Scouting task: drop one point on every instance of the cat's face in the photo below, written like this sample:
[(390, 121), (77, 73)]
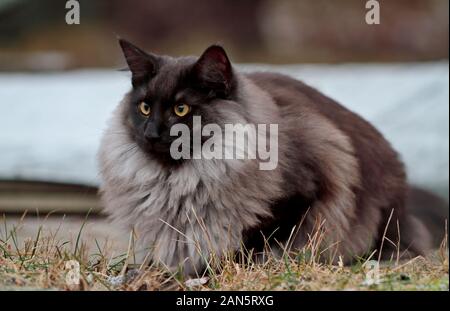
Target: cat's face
[(167, 91)]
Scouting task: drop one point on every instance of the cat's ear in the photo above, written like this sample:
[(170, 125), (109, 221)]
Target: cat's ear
[(141, 64), (213, 70)]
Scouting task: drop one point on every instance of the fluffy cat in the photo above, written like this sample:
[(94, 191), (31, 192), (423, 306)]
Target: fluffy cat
[(335, 172)]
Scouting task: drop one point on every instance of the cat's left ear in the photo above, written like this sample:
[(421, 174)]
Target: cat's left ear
[(213, 70), (142, 65)]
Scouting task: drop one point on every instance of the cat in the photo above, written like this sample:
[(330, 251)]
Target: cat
[(336, 173)]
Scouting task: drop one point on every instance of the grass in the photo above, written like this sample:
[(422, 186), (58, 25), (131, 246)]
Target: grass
[(40, 263)]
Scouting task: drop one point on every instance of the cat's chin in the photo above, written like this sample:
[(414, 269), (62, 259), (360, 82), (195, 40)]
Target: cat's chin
[(166, 160), (159, 148), (162, 155)]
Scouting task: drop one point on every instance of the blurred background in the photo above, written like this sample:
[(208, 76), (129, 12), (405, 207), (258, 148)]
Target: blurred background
[(34, 35), (59, 82)]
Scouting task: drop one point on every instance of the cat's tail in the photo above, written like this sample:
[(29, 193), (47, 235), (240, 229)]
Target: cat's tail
[(424, 223)]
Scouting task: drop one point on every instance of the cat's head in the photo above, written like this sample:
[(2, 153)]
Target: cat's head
[(168, 91)]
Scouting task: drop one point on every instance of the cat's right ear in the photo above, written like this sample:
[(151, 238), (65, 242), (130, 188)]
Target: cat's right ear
[(213, 70), (141, 64)]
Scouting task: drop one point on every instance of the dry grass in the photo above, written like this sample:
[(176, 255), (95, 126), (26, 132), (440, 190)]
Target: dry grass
[(40, 263)]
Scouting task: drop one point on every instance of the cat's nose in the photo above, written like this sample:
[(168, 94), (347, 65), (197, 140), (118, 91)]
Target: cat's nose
[(152, 132)]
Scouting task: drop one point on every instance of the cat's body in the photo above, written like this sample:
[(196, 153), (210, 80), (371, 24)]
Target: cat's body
[(336, 173)]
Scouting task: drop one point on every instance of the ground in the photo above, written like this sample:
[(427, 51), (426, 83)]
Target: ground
[(34, 254)]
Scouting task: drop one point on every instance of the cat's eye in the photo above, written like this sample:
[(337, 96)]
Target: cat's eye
[(181, 109), (144, 108)]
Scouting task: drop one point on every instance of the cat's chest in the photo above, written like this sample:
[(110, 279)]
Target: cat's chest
[(175, 195), (215, 194)]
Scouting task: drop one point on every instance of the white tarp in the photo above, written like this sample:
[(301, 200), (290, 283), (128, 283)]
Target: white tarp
[(50, 124)]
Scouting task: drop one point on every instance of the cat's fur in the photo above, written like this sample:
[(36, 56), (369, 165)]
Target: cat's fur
[(336, 172)]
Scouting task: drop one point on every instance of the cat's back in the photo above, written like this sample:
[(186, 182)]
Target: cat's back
[(293, 96), (377, 160), (297, 99)]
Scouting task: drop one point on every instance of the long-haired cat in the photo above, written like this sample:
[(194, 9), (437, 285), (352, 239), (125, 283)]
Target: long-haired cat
[(336, 173)]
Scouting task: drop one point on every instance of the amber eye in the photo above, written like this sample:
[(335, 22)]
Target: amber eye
[(181, 109), (144, 108)]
